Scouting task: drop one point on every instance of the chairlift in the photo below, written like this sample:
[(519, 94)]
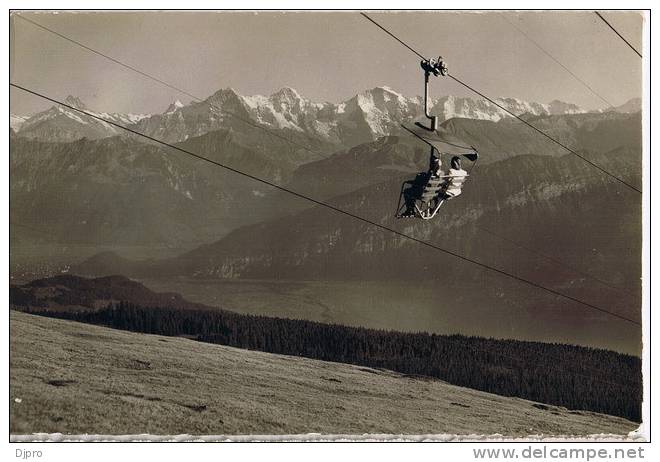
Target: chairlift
[(423, 196)]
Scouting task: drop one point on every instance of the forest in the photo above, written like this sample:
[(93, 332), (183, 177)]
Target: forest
[(575, 377)]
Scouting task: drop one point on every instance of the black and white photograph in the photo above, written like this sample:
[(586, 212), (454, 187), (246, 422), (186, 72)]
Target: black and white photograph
[(329, 225)]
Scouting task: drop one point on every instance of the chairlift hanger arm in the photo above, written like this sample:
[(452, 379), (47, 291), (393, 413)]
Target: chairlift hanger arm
[(435, 67)]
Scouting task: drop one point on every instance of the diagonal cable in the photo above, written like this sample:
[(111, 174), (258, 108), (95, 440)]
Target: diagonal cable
[(617, 33), (394, 36)]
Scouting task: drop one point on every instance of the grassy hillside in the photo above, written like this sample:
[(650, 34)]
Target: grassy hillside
[(76, 378), (576, 377)]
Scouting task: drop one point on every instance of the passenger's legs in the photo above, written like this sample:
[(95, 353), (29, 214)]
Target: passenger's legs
[(409, 198)]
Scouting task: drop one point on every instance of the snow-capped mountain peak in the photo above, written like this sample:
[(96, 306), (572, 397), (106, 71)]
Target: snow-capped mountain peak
[(448, 107), (223, 95), (288, 93), (74, 101), (382, 108), (174, 106), (287, 99), (61, 123)]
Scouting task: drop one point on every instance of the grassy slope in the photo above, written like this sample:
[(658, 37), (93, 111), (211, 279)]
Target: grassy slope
[(76, 378)]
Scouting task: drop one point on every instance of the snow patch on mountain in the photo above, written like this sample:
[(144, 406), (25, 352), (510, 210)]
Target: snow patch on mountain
[(448, 107), (16, 121), (174, 106), (283, 109), (62, 123), (126, 119), (382, 109)]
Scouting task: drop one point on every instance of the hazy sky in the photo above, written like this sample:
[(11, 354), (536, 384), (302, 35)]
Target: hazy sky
[(325, 56)]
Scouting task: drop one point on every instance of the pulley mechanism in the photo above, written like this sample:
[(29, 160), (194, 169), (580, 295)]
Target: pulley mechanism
[(435, 66)]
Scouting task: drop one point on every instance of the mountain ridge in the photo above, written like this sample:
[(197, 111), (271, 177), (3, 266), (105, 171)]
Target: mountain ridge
[(364, 117)]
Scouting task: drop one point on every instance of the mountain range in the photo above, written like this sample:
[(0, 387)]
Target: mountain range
[(62, 124), (365, 117), (120, 191), (541, 195)]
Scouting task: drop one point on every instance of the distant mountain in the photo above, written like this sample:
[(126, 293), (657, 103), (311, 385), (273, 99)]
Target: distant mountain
[(365, 117), (60, 123), (122, 192), (525, 195), (543, 196), (630, 106), (173, 107), (596, 132), (556, 107), (117, 191), (390, 157), (449, 107), (360, 119)]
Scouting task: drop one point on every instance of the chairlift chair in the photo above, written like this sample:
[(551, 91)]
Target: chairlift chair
[(432, 195)]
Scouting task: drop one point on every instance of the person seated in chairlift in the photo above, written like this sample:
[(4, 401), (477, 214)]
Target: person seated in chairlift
[(456, 177), (414, 190), (454, 180)]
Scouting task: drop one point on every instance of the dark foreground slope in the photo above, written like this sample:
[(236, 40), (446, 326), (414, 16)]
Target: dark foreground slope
[(74, 378)]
